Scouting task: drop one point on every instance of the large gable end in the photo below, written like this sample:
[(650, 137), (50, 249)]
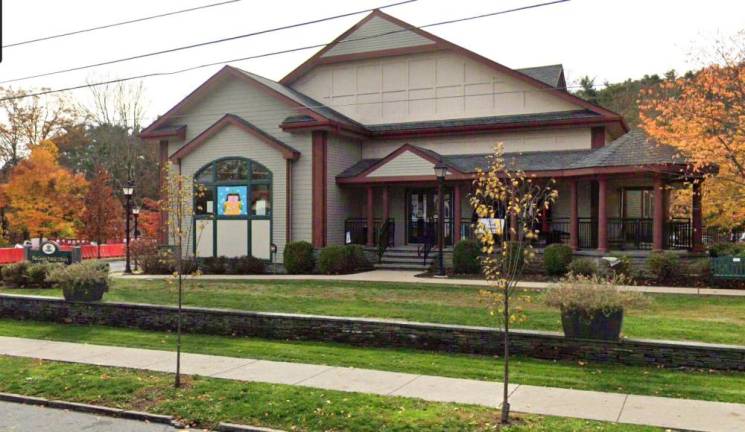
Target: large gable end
[(376, 34)]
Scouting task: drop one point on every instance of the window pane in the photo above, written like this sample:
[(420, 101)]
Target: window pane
[(232, 169), (204, 201), (261, 204), (204, 176), (259, 172)]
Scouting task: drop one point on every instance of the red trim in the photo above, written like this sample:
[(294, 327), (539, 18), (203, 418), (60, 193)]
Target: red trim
[(573, 216), (603, 214), (319, 185), (658, 224), (163, 161), (325, 125), (178, 133), (288, 198), (697, 217), (597, 137), (386, 205), (228, 120), (229, 71), (444, 44), (370, 217)]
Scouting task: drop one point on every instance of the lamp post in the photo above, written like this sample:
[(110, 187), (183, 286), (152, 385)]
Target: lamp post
[(128, 190), (440, 172), (136, 232)]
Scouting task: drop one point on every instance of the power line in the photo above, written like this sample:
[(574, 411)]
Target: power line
[(201, 44), (269, 54), (136, 20)]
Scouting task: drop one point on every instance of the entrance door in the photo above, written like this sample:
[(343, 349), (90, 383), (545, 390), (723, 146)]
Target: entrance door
[(422, 215)]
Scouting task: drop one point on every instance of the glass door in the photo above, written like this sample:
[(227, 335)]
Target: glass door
[(422, 215)]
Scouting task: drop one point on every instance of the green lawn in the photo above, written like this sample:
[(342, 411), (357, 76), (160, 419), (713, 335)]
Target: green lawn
[(706, 385), (204, 402), (714, 319)]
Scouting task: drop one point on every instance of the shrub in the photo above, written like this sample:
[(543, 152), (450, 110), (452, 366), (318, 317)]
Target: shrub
[(38, 274), (357, 257), (298, 257), (86, 281), (726, 249), (662, 265), (467, 257), (583, 267), (160, 262), (15, 275), (246, 265), (556, 259), (623, 265), (700, 268), (591, 295), (214, 265), (334, 260)]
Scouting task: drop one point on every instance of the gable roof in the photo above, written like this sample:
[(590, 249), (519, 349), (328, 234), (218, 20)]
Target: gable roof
[(232, 119), (324, 57), (303, 104), (552, 75), (630, 152)]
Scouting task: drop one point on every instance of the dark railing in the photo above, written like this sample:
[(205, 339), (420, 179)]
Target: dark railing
[(385, 237), (428, 237), (714, 235), (355, 231), (558, 232), (630, 233), (678, 234)]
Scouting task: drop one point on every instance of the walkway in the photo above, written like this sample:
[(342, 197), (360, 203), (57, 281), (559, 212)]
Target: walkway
[(19, 417), (408, 276), (612, 407)]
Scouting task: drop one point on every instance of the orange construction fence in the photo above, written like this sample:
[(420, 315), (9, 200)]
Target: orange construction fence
[(14, 255)]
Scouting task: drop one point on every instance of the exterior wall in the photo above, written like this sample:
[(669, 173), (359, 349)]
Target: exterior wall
[(342, 202), (232, 141), (406, 163), (375, 35), (424, 86), (527, 141), (266, 112)]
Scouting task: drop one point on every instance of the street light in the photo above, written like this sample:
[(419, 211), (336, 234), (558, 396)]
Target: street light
[(128, 190), (136, 214), (441, 171)]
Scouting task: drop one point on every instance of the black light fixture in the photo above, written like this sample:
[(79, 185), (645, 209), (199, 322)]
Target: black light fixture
[(441, 171), (128, 191)]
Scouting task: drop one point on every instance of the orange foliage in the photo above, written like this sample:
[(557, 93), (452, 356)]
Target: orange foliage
[(103, 217), (149, 219), (703, 115), (43, 198)]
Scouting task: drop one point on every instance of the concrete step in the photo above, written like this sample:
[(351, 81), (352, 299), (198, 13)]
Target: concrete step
[(399, 266)]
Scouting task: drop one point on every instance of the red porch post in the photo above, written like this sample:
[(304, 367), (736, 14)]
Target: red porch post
[(602, 214), (697, 240), (658, 227), (370, 218), (456, 213), (386, 205), (573, 216)]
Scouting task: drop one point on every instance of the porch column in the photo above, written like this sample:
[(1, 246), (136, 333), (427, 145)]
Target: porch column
[(573, 216), (370, 218), (697, 240), (456, 213), (386, 205), (602, 214), (658, 227)]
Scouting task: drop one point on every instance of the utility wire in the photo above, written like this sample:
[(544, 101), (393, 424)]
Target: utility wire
[(201, 44), (136, 20), (269, 54)]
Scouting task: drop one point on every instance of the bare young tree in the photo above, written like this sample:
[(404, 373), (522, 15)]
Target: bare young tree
[(27, 120), (119, 104)]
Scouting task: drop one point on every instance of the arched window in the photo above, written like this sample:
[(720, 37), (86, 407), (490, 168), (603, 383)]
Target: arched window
[(228, 191)]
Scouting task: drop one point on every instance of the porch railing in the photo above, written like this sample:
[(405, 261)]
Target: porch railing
[(355, 230)]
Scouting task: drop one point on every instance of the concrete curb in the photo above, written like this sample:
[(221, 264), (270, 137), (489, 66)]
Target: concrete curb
[(231, 427), (91, 409)]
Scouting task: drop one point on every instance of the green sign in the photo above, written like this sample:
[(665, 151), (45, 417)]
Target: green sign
[(51, 253)]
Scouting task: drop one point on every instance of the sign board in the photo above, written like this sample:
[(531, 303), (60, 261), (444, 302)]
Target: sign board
[(50, 253)]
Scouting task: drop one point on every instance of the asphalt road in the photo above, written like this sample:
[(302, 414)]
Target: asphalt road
[(22, 418)]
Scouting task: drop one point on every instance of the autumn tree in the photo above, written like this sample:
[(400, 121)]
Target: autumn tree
[(103, 215), (150, 219), (42, 198), (703, 115), (26, 120)]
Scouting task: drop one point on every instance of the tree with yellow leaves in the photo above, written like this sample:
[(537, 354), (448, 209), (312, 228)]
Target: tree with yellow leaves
[(703, 115), (42, 198), (509, 205)]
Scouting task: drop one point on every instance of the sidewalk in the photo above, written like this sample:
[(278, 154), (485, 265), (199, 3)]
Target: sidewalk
[(611, 407), (408, 276)]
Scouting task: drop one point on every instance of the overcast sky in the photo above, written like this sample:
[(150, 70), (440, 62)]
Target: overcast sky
[(608, 39)]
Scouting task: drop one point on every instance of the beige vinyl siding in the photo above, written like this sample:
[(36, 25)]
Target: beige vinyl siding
[(234, 142), (405, 164), (265, 112), (528, 141), (342, 203), (377, 34), (426, 86)]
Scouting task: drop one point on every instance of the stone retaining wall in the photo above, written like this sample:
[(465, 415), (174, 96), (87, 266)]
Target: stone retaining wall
[(374, 333)]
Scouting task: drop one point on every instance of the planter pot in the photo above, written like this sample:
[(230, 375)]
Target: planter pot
[(579, 325), (85, 293)]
